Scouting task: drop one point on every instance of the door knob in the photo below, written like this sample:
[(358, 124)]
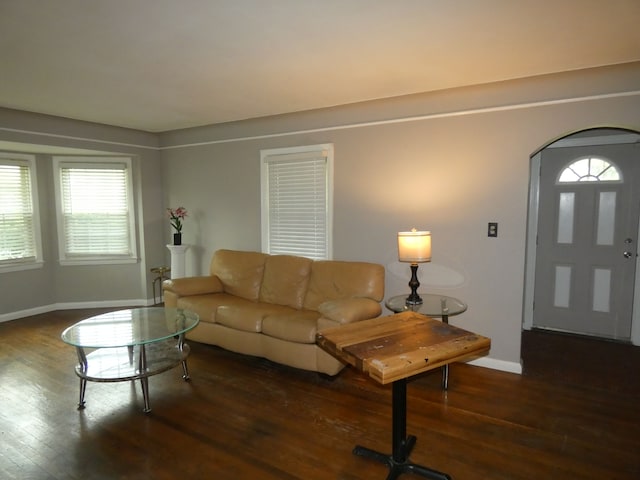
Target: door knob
[(627, 254)]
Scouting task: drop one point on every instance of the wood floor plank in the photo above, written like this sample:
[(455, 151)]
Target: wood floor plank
[(242, 417)]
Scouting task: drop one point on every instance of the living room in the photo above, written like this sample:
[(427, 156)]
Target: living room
[(449, 161)]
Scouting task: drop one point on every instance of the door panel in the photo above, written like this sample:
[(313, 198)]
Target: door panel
[(584, 281)]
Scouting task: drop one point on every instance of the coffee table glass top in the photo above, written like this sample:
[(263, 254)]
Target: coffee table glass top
[(124, 328), (433, 305)]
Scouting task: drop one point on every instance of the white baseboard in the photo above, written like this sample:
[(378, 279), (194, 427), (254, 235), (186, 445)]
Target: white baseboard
[(5, 317), (103, 304), (495, 364)]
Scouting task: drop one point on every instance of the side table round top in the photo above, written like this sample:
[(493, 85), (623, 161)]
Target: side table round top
[(433, 305)]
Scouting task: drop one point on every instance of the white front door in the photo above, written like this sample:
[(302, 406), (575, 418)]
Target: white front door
[(589, 204)]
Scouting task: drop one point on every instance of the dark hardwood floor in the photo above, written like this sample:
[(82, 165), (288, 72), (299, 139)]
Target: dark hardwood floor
[(246, 418), (580, 360)]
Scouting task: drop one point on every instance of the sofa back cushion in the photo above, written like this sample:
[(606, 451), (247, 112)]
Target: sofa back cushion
[(240, 272), (331, 280), (285, 280)]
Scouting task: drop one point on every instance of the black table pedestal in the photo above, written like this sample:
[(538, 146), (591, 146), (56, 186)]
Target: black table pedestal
[(398, 462)]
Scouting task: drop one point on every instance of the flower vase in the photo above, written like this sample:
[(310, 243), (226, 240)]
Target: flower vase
[(177, 238)]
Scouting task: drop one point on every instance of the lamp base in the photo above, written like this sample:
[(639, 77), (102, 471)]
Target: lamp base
[(414, 301), (414, 298)]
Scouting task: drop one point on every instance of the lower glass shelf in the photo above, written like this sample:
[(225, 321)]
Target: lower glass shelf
[(119, 364)]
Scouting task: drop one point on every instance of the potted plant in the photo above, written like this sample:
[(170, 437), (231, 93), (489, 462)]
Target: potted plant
[(176, 216)]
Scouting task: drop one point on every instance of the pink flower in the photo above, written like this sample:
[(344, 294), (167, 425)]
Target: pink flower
[(176, 215)]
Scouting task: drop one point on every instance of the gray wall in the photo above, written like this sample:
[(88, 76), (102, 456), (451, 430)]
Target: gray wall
[(55, 286), (449, 162)]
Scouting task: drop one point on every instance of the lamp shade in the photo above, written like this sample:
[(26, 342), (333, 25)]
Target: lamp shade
[(414, 246)]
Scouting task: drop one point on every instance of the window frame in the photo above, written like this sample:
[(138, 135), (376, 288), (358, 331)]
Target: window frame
[(37, 261), (325, 150), (582, 180), (61, 162)]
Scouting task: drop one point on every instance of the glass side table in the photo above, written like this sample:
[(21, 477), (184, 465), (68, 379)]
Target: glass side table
[(433, 305)]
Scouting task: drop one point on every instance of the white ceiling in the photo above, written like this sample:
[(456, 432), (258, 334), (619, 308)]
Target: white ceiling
[(160, 65)]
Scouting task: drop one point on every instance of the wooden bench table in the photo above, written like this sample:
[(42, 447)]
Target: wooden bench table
[(391, 350)]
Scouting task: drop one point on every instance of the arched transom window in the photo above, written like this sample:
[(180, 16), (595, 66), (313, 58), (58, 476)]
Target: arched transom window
[(590, 169)]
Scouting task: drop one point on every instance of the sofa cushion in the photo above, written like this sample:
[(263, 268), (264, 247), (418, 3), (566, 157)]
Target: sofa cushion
[(247, 316), (285, 280), (239, 272), (206, 305), (348, 310), (332, 279), (299, 326)]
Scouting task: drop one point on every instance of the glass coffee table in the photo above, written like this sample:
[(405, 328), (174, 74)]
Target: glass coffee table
[(130, 345), (433, 305)]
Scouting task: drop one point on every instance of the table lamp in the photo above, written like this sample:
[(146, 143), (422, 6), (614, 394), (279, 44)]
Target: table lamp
[(414, 247)]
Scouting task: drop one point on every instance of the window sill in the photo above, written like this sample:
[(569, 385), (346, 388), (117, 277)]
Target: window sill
[(98, 261), (17, 267)]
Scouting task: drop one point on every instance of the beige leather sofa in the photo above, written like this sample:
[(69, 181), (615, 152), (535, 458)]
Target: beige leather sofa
[(271, 306)]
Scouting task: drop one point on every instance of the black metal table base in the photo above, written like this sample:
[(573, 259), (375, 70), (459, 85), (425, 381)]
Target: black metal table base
[(398, 461)]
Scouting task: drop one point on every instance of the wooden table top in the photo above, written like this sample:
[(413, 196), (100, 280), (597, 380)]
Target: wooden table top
[(401, 345)]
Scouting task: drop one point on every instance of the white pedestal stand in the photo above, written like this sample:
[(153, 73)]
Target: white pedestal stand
[(178, 253)]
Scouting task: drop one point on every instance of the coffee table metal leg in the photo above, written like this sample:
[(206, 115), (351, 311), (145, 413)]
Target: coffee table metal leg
[(145, 394), (82, 361), (185, 369), (445, 369), (398, 462), (144, 381), (83, 388)]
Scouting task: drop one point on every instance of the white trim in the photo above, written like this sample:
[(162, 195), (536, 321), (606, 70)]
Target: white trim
[(124, 163), (495, 364), (19, 267), (531, 249), (432, 116), (83, 139), (133, 303), (9, 155), (531, 244), (599, 140), (457, 113), (6, 317), (30, 160), (324, 150), (635, 315)]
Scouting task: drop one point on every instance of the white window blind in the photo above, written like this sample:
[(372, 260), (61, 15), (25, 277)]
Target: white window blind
[(95, 211), (296, 202), (17, 218)]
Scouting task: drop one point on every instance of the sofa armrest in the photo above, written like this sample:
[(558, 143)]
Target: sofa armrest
[(183, 287), (348, 310)]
